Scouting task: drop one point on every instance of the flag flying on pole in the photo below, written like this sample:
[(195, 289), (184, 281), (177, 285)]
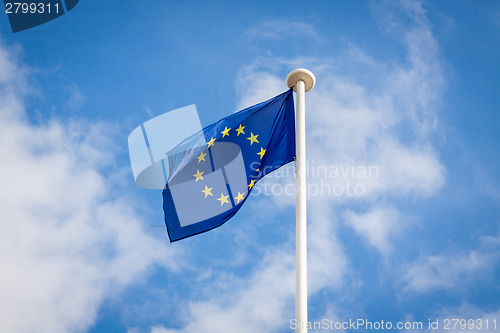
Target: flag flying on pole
[(211, 174)]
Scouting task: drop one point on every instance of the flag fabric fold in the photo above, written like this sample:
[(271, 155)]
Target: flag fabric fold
[(212, 173)]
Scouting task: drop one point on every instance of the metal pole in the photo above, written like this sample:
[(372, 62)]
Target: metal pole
[(301, 221), (301, 80)]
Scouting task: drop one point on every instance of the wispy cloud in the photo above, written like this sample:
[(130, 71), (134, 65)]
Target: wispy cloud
[(443, 271), (258, 303), (76, 98), (493, 15), (376, 226), (452, 269), (279, 30)]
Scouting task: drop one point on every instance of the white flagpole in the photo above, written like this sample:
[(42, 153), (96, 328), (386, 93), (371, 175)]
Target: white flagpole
[(302, 81)]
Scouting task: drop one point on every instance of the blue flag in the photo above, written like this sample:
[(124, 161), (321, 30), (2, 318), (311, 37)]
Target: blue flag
[(212, 173)]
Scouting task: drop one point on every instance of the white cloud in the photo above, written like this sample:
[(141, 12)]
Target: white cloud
[(418, 86), (376, 226), (328, 266), (443, 271), (263, 86), (408, 169), (452, 269), (67, 239)]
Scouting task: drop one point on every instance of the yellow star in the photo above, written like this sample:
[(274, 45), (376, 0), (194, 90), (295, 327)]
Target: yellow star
[(239, 197), (198, 175), (240, 130), (201, 157), (252, 183), (225, 132), (208, 191), (253, 138), (223, 199), (261, 153), (211, 142)]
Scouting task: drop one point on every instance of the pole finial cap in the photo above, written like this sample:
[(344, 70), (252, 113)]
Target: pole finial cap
[(300, 74)]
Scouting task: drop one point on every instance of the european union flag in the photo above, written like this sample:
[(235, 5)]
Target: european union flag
[(212, 173)]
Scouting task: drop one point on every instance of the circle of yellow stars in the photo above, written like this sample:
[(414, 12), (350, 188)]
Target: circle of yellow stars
[(207, 191)]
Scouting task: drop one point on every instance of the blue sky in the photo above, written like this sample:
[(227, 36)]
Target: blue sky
[(408, 88)]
